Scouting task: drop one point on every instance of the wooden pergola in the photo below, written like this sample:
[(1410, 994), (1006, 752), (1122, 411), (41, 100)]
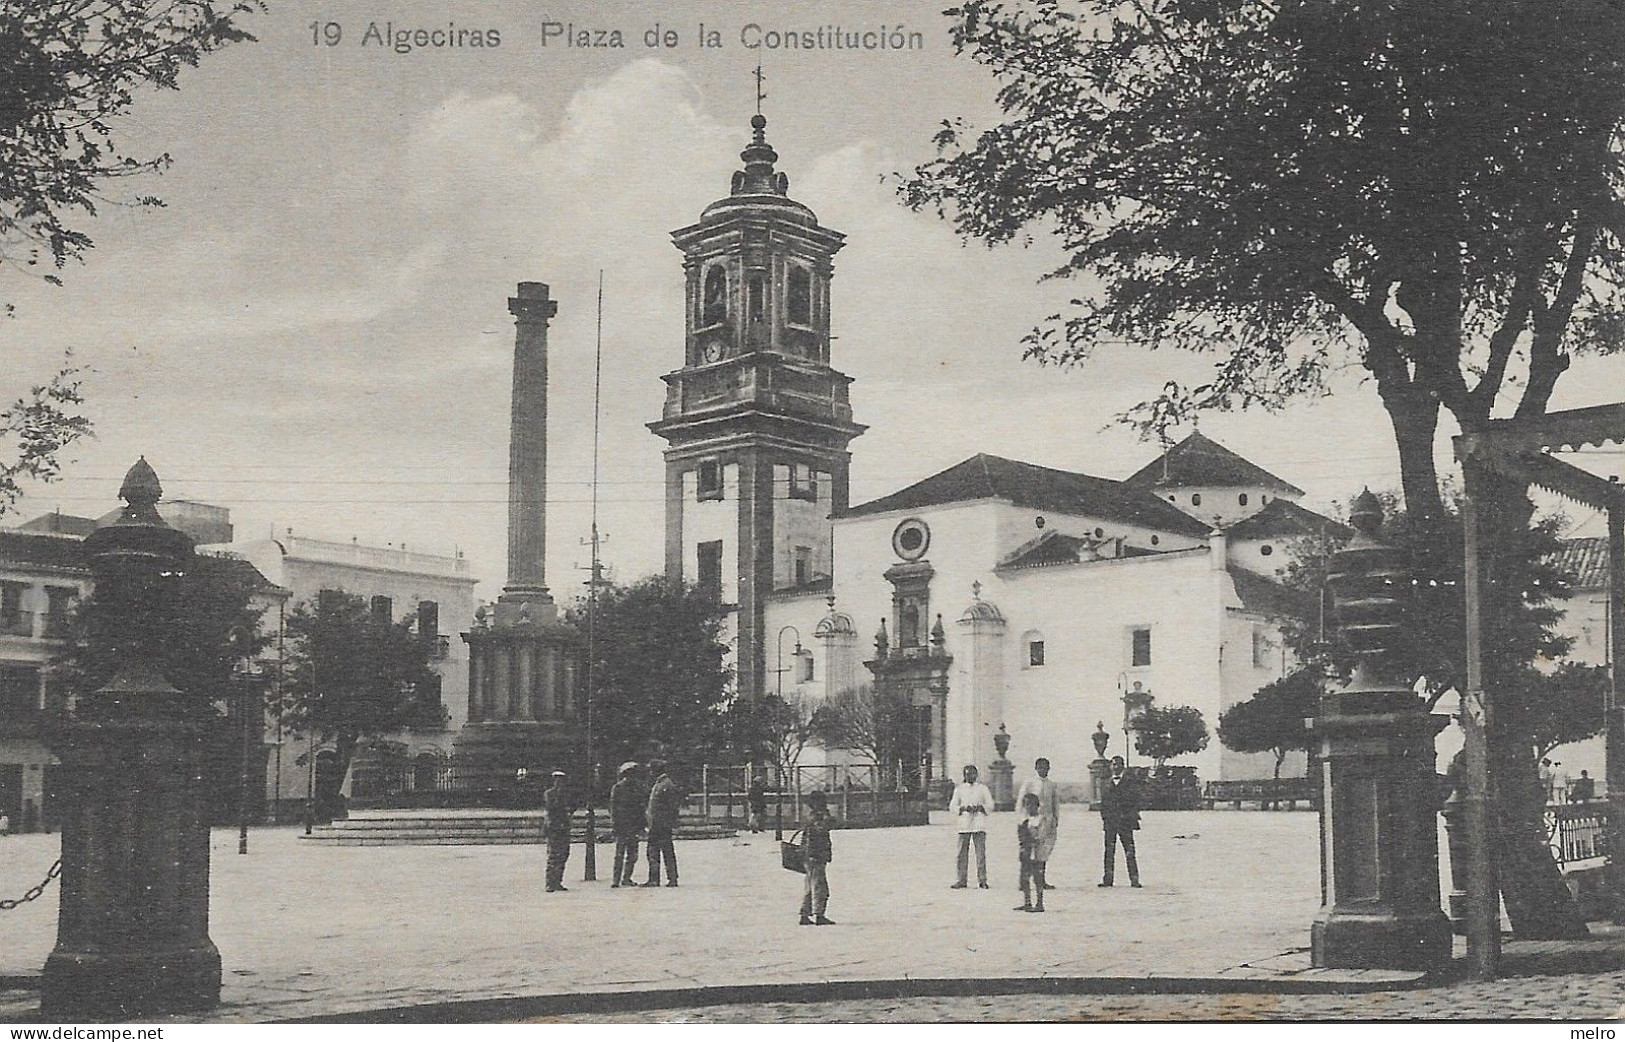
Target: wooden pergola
[(1520, 450)]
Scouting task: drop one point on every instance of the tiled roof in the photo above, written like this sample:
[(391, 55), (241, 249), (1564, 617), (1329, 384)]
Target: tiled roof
[(1199, 461), (41, 550), (1586, 560), (1053, 547), (45, 550), (1268, 597), (63, 524), (1282, 517), (1038, 488)]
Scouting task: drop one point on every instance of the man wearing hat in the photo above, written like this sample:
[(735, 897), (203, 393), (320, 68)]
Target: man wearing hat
[(626, 819), (556, 802), (665, 801)]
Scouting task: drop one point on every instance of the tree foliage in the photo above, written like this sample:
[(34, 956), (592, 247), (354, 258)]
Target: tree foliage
[(863, 721), (73, 69), (1274, 719), (1430, 191), (1435, 603), (201, 649), (1565, 705), (659, 680), (1167, 732), (352, 677)]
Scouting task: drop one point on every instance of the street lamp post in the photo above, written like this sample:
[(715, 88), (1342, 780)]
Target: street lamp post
[(245, 680), (778, 751)]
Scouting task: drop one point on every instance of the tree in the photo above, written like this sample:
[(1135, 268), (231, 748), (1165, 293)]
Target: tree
[(863, 721), (788, 723), (1165, 732), (1274, 719), (1425, 189), (72, 70), (1567, 705), (1430, 191), (659, 679), (350, 677)]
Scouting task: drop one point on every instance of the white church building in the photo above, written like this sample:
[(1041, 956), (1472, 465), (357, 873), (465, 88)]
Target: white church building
[(993, 593), (1037, 599)]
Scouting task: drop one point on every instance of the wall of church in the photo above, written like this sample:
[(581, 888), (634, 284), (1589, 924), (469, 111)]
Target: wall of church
[(1254, 654), (1264, 556), (1018, 525), (1085, 615), (800, 522), (1221, 505)]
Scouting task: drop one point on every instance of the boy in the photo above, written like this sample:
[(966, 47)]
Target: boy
[(1032, 869), (815, 841)]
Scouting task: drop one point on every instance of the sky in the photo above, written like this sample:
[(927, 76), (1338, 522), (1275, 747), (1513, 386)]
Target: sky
[(314, 330)]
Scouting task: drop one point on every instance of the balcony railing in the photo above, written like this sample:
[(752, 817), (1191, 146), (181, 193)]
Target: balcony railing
[(1578, 833), (17, 623)]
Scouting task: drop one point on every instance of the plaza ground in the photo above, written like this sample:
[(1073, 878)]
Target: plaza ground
[(317, 931)]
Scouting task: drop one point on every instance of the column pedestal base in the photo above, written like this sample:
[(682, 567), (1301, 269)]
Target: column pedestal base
[(1380, 940), (129, 985), (1001, 781)]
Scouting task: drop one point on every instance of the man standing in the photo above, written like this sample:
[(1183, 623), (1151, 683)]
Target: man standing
[(1049, 811), (1119, 818), (756, 802), (556, 804), (970, 806), (664, 803), (626, 819)]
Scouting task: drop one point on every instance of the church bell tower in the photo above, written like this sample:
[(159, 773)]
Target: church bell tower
[(756, 420)]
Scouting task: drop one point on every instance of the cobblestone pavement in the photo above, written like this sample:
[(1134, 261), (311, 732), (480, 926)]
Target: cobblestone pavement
[(1579, 998), (310, 931)]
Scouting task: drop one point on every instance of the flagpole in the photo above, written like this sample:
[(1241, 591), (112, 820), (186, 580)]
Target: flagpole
[(590, 867)]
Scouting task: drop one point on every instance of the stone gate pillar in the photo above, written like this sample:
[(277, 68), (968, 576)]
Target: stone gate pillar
[(1379, 852), (133, 926)]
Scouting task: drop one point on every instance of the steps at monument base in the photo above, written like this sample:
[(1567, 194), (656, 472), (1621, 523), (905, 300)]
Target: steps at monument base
[(407, 828)]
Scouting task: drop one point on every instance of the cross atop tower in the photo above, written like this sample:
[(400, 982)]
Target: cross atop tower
[(761, 95)]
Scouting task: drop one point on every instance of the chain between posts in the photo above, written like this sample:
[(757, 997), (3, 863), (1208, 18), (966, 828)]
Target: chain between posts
[(33, 892)]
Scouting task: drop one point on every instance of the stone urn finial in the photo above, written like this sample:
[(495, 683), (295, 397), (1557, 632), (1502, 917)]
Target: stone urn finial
[(1365, 514), (882, 642), (1001, 742), (1101, 738)]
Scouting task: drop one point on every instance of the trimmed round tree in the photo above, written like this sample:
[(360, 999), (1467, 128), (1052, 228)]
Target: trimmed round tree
[(1166, 732)]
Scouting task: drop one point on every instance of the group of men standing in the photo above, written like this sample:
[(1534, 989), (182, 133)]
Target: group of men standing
[(1119, 808), (632, 808)]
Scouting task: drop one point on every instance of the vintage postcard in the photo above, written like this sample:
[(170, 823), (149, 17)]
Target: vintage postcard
[(1092, 511)]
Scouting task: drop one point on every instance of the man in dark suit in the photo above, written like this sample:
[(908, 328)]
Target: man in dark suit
[(1119, 818)]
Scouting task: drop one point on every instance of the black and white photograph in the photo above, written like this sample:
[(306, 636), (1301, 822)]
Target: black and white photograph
[(701, 512)]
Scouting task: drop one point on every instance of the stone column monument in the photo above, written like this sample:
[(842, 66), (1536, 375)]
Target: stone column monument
[(1379, 853), (524, 705), (133, 925)]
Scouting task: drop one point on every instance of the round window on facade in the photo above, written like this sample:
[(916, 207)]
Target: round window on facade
[(1266, 550), (1038, 522), (910, 539), (1100, 533), (1196, 499), (1242, 499), (1155, 540)]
